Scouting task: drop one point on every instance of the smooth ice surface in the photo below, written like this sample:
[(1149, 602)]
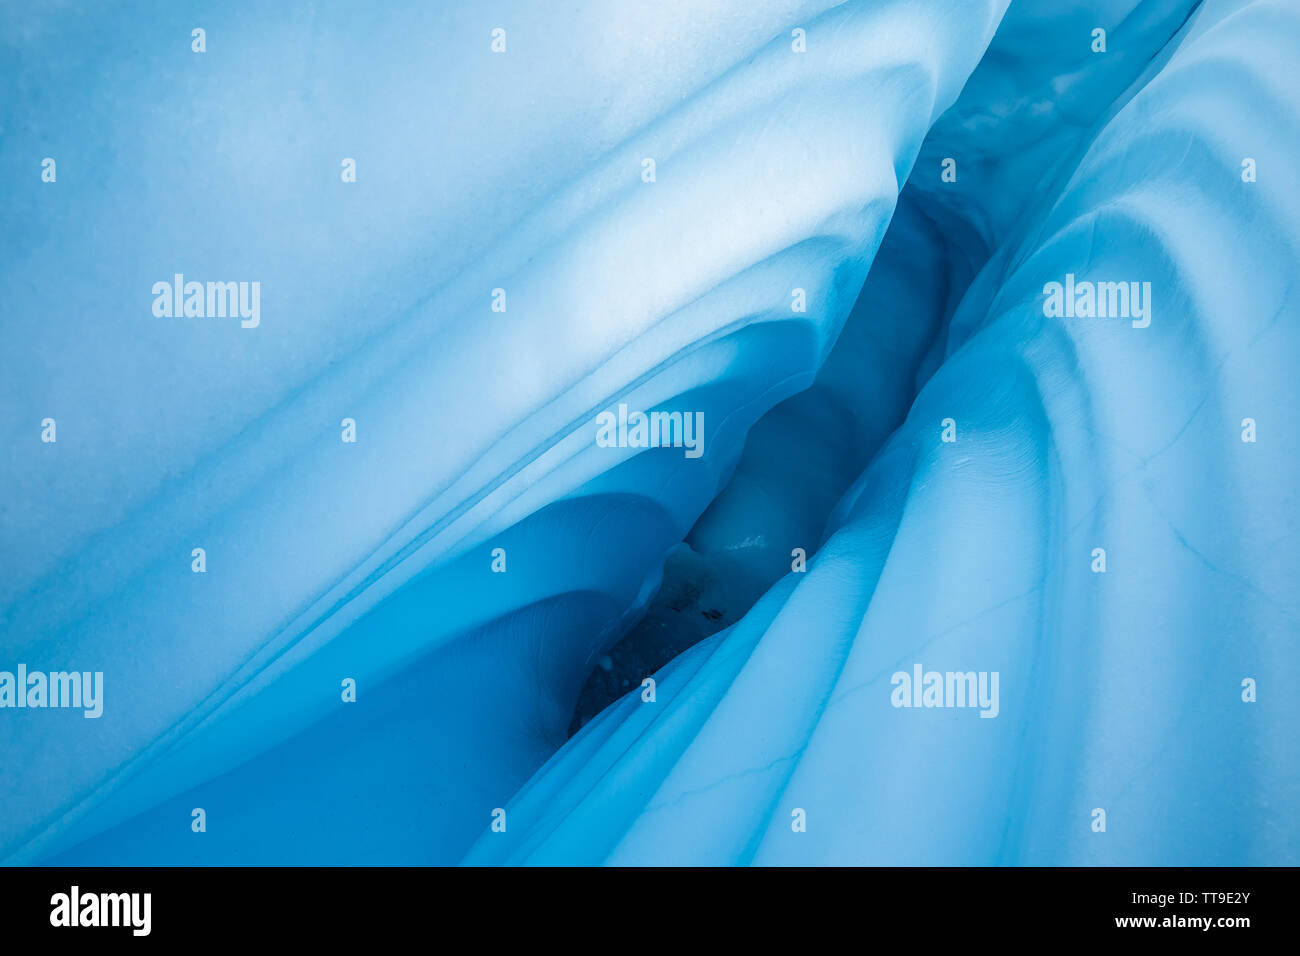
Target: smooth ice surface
[(774, 171), (1119, 691)]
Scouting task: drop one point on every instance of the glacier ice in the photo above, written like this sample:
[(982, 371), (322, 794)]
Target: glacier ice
[(774, 171)]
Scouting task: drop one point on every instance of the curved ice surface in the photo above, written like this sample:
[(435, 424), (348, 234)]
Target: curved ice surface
[(372, 561), (774, 171), (778, 741)]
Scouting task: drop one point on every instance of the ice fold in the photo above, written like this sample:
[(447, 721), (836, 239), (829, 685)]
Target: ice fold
[(372, 561)]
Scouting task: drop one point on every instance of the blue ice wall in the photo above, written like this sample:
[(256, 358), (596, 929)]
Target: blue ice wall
[(794, 268), (1126, 730)]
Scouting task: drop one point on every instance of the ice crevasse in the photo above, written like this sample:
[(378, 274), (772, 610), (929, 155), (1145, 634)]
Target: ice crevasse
[(949, 455)]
